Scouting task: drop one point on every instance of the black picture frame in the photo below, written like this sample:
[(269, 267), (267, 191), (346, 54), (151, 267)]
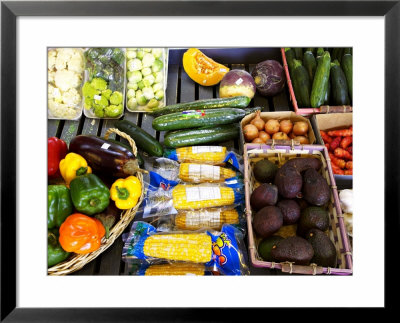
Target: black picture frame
[(10, 10)]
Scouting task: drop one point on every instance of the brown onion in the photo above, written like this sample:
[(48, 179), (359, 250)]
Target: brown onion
[(302, 140), (258, 122), (300, 128), (286, 126), (272, 126), (257, 141), (264, 136), (250, 132), (280, 135)]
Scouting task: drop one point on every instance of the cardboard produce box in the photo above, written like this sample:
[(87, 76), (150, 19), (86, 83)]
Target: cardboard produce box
[(278, 116), (333, 121)]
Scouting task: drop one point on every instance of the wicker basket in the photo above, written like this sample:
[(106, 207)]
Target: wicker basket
[(77, 262), (309, 111), (337, 231)]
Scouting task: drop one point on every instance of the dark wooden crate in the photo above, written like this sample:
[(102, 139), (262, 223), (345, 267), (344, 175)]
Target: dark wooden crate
[(180, 88)]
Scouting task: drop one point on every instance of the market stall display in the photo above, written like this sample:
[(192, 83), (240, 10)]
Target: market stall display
[(190, 177)]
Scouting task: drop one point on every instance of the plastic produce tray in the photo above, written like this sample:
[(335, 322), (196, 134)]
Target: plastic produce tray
[(337, 231), (309, 111)]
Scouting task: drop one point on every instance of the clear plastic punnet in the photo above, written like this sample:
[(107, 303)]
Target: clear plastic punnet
[(223, 250)]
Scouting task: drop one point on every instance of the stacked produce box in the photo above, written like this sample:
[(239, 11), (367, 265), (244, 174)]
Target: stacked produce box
[(193, 196)]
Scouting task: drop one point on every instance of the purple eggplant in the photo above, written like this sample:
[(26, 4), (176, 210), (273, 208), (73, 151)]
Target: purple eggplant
[(105, 157)]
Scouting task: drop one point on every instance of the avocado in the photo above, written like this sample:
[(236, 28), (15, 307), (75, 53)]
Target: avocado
[(289, 182), (290, 211), (264, 195), (264, 171), (324, 249), (315, 188), (312, 217), (303, 163), (302, 203), (294, 249), (265, 246), (267, 221)]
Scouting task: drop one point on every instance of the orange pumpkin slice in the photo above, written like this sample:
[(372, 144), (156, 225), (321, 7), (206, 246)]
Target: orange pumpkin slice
[(202, 69)]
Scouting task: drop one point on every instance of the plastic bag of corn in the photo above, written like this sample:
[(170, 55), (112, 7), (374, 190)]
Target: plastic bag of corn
[(220, 249)]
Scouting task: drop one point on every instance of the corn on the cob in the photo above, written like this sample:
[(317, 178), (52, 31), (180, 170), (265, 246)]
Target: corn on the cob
[(194, 247), (214, 155), (200, 173), (209, 218), (192, 197), (175, 269)]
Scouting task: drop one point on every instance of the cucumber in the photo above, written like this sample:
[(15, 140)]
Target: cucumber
[(234, 102), (200, 118), (347, 66), (321, 80), (298, 52), (143, 140), (310, 63), (301, 84), (138, 156), (290, 57), (340, 94), (183, 138)]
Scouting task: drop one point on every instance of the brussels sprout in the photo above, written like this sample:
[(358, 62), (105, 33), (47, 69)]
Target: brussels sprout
[(131, 93), (150, 80), (147, 50), (148, 93), (153, 103), (132, 103), (158, 87), (131, 85), (134, 64), (140, 53), (140, 98), (159, 95), (130, 54), (157, 52), (141, 84), (159, 77), (148, 60), (134, 76), (146, 71), (157, 66)]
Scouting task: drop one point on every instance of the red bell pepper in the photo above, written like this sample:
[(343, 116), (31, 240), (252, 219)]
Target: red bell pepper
[(56, 150)]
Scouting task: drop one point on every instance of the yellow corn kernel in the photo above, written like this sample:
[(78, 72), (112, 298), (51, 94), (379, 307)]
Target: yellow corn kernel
[(175, 269), (192, 197), (194, 247), (200, 173), (208, 218), (214, 155)]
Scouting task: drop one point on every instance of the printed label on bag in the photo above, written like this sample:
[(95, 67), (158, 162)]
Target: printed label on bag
[(105, 146), (204, 172), (202, 218), (97, 97), (206, 149), (222, 69), (194, 194)]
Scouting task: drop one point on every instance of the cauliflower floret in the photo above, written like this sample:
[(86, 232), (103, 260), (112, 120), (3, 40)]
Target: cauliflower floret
[(71, 97), (54, 93), (61, 110), (50, 89), (65, 80), (76, 62), (51, 77), (51, 59), (64, 55)]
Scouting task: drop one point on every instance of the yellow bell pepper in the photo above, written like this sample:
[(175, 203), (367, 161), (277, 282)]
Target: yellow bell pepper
[(73, 165), (125, 192)]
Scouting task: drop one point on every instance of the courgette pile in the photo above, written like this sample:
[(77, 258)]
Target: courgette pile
[(321, 76)]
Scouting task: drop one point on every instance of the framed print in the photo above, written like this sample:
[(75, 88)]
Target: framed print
[(183, 138)]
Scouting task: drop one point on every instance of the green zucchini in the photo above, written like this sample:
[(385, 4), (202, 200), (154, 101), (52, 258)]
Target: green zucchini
[(320, 51), (138, 156), (310, 49), (190, 137), (340, 94), (298, 52), (347, 66), (335, 53), (142, 139), (328, 94), (301, 84), (310, 64), (200, 118), (321, 80), (290, 56), (234, 102)]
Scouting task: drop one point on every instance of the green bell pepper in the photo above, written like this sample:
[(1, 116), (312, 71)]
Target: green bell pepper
[(55, 253), (89, 194), (59, 205)]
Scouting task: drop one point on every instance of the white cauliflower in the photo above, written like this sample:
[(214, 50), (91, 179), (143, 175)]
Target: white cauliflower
[(51, 75), (63, 56), (51, 59), (71, 97), (61, 110), (65, 80), (76, 63), (54, 93)]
